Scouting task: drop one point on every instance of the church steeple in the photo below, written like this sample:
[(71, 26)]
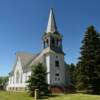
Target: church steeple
[(51, 27), (52, 38)]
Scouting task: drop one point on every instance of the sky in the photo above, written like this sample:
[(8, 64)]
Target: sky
[(23, 22)]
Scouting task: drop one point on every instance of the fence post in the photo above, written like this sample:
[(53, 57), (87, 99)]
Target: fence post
[(36, 94)]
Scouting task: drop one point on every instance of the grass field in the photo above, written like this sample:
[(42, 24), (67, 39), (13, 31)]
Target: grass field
[(25, 96)]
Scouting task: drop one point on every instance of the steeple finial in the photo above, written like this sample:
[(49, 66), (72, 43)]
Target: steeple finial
[(51, 27)]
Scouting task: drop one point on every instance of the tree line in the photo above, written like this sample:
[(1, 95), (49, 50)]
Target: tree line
[(85, 75)]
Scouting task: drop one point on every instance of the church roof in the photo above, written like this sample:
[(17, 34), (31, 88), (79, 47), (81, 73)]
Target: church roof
[(25, 57), (51, 27)]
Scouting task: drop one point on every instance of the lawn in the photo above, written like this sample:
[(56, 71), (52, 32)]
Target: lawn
[(25, 96)]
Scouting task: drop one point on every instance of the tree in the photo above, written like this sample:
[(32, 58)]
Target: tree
[(72, 73), (89, 62), (3, 82), (37, 80)]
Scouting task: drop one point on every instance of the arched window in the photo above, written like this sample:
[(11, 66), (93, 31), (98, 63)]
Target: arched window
[(21, 77), (17, 77)]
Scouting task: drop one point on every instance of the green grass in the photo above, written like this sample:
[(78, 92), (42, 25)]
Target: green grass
[(14, 96), (25, 96)]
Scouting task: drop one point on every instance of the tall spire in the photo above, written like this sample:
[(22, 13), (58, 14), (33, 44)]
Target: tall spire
[(51, 27)]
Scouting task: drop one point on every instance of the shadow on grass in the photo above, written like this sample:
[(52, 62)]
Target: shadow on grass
[(56, 95), (88, 92), (49, 96)]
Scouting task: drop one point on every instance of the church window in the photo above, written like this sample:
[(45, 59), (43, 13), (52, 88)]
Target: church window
[(57, 63), (57, 74), (44, 44), (13, 79), (21, 78), (55, 78), (59, 43), (53, 41), (17, 77), (47, 42), (56, 56)]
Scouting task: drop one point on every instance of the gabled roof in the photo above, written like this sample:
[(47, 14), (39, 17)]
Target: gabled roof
[(25, 57)]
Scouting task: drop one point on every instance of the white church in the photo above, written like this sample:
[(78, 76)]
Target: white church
[(52, 56)]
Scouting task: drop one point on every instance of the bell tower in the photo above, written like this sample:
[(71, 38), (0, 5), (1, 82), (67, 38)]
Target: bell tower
[(52, 38), (53, 52)]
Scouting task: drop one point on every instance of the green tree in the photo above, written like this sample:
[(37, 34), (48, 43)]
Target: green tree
[(37, 80), (72, 73), (3, 82), (88, 77)]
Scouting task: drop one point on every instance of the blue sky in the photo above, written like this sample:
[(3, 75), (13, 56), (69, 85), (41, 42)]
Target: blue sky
[(22, 23)]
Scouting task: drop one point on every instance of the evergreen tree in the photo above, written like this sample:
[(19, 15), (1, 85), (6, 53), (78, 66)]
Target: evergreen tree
[(72, 73), (88, 77), (3, 82), (37, 80)]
